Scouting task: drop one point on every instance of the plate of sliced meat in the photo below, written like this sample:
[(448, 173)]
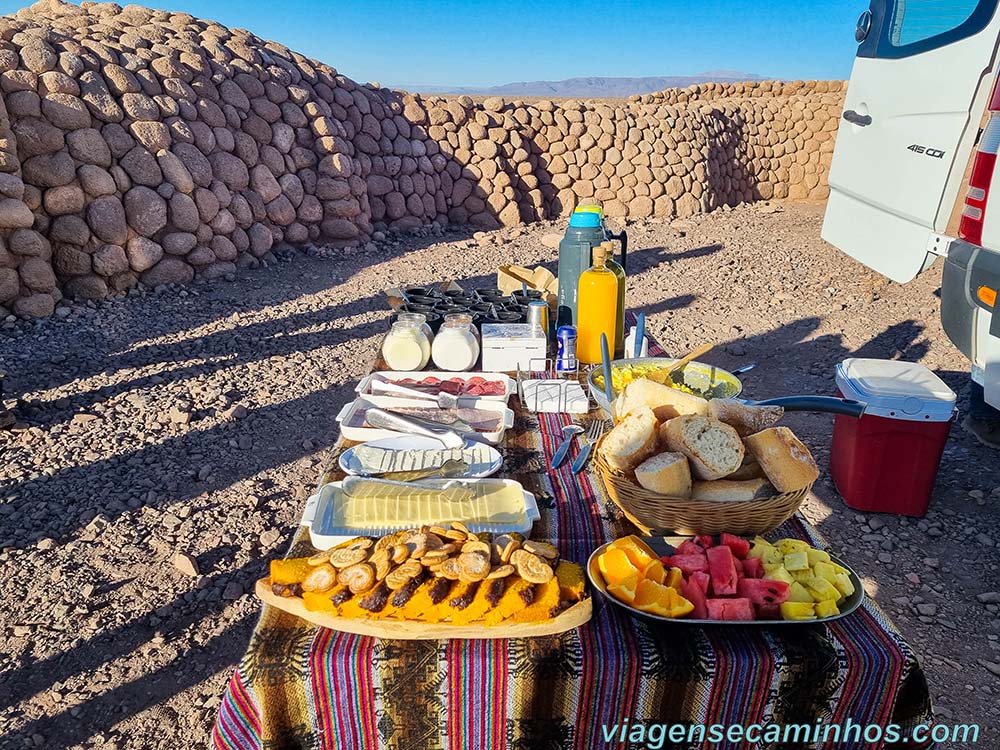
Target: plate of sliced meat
[(488, 385)]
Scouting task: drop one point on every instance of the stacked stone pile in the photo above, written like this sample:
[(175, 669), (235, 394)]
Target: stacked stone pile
[(149, 146)]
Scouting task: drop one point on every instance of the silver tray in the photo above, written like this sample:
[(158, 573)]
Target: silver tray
[(667, 545)]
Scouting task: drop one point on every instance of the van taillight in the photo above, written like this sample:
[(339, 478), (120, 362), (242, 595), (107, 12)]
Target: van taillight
[(970, 228)]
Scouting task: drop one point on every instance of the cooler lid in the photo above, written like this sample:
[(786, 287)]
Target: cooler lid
[(898, 390)]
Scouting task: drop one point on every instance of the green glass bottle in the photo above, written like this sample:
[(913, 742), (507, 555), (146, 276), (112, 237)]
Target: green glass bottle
[(619, 272)]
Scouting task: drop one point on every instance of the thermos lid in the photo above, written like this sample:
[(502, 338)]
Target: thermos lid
[(585, 219)]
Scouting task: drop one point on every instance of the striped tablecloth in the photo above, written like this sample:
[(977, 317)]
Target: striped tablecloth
[(299, 686)]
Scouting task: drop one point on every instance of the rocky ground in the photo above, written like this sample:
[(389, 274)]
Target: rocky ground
[(167, 442)]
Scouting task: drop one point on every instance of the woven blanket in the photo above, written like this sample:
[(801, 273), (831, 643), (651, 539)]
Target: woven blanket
[(300, 686)]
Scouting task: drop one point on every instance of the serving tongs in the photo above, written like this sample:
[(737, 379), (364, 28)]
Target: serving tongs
[(442, 399), (452, 435)]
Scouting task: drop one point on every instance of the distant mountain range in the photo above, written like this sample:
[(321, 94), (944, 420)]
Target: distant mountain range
[(596, 87)]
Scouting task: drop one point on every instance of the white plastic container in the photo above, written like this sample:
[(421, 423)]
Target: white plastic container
[(364, 434), (508, 347)]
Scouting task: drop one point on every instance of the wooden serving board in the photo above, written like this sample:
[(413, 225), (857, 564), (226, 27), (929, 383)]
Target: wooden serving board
[(568, 619)]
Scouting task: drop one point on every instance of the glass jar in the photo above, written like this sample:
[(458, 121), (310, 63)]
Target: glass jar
[(456, 348), (464, 318), (406, 347), (417, 319)]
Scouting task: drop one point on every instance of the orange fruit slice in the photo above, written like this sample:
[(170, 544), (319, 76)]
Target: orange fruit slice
[(654, 571), (660, 600), (624, 592), (616, 567), (637, 550), (674, 579)]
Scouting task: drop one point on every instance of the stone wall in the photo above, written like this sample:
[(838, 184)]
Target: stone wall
[(150, 146)]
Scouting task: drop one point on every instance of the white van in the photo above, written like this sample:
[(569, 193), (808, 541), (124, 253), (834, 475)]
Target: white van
[(915, 159)]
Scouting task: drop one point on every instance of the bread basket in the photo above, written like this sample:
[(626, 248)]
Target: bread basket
[(652, 512)]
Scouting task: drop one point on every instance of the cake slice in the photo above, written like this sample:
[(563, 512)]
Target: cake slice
[(571, 581), (545, 605)]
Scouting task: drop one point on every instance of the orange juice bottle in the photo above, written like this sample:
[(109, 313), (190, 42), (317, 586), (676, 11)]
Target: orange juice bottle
[(596, 309)]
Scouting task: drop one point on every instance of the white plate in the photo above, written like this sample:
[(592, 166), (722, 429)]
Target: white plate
[(350, 465), (364, 387)]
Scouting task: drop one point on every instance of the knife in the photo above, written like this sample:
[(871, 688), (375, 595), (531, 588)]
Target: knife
[(442, 399), (581, 458), (413, 425)]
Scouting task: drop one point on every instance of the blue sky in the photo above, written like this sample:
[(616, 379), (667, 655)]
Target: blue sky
[(476, 43)]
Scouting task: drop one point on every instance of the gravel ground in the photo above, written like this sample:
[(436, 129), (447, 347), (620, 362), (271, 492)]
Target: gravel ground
[(168, 442)]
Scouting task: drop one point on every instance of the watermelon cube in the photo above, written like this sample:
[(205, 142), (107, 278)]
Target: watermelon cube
[(729, 609), (705, 540), (722, 568), (768, 611), (704, 581), (753, 567), (739, 545), (760, 591), (687, 547), (689, 563), (691, 591)]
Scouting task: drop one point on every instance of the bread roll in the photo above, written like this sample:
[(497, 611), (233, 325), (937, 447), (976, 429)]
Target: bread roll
[(746, 419), (666, 402), (730, 491), (713, 448), (631, 442), (749, 469), (666, 473), (783, 457)]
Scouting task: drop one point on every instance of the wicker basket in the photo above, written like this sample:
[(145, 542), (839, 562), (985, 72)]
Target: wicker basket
[(653, 512)]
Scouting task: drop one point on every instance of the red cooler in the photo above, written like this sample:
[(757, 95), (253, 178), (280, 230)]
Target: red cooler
[(886, 461)]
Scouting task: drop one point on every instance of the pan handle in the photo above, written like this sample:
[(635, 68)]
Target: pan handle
[(827, 404)]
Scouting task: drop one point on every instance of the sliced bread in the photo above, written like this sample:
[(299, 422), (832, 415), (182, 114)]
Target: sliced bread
[(749, 469), (784, 458), (666, 473), (713, 448), (666, 402), (746, 419), (631, 442), (730, 491)]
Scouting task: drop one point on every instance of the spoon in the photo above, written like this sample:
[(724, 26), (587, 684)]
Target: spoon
[(569, 432), (684, 361)]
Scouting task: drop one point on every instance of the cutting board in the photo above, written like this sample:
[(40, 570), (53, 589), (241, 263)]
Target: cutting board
[(568, 619)]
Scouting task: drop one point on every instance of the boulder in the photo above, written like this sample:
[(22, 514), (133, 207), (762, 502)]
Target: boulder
[(70, 260), (230, 170), (183, 213), (143, 253), (65, 111), (145, 210), (174, 171), (37, 274), (29, 242), (14, 214), (142, 167), (169, 270), (106, 217), (69, 229), (49, 170), (87, 286), (10, 284), (65, 199), (96, 181), (88, 146), (179, 243), (34, 306), (109, 260), (36, 136), (262, 181)]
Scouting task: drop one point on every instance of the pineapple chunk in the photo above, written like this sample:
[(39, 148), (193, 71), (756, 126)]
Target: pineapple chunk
[(843, 583), (779, 574), (799, 593), (798, 611), (825, 570), (764, 550), (803, 576), (827, 608), (796, 561), (841, 569), (817, 555), (792, 545), (822, 589)]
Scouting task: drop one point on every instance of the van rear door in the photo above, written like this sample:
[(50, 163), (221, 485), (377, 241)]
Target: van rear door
[(921, 79)]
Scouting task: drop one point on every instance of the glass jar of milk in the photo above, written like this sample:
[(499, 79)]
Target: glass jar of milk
[(418, 319), (407, 347), (455, 347)]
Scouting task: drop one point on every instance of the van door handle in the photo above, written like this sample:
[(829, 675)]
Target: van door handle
[(853, 117)]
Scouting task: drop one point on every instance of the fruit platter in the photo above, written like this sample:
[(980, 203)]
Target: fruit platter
[(433, 582), (725, 579)]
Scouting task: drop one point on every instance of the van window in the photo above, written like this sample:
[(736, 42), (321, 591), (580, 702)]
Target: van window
[(902, 28), (917, 20)]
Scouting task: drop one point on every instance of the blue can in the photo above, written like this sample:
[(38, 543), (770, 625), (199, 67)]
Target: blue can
[(566, 353)]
